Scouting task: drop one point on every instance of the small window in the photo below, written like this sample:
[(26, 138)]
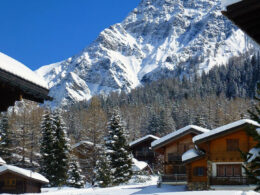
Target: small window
[(10, 182), (199, 171), (232, 144)]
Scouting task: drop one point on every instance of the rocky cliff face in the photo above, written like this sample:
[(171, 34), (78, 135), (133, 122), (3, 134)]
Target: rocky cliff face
[(159, 38)]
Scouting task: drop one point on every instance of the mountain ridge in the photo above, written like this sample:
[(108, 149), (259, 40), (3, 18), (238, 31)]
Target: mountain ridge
[(157, 39)]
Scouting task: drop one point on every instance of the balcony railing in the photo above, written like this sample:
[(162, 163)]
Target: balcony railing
[(144, 154), (174, 178), (230, 180)]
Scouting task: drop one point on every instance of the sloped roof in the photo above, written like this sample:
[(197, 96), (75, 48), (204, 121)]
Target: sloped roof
[(16, 68), (179, 133), (82, 142), (191, 154), (222, 129), (143, 139), (24, 172)]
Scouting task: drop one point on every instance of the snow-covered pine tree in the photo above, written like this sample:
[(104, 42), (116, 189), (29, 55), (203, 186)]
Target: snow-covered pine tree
[(253, 164), (47, 147), (118, 150), (61, 149), (5, 140), (75, 177), (103, 171)]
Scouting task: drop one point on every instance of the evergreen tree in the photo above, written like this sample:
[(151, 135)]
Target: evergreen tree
[(118, 150), (47, 148), (103, 171), (5, 139), (61, 149), (253, 164), (75, 177)]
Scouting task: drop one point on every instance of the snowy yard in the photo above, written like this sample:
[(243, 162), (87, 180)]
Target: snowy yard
[(139, 189)]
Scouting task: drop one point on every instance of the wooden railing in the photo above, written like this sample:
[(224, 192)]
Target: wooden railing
[(229, 180), (174, 178)]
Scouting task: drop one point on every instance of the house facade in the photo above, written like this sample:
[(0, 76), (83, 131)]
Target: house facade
[(172, 146), (15, 180), (217, 158), (141, 149)]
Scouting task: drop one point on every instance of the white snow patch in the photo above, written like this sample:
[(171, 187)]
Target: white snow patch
[(255, 153), (14, 67), (192, 153), (138, 165), (225, 128), (226, 3), (24, 172), (2, 161), (82, 142), (143, 139), (178, 132)]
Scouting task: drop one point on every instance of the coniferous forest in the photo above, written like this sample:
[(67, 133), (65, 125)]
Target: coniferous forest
[(222, 95)]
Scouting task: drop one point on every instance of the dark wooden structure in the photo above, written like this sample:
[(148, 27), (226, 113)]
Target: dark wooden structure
[(220, 161), (172, 146), (246, 15), (13, 182), (16, 83), (141, 149)]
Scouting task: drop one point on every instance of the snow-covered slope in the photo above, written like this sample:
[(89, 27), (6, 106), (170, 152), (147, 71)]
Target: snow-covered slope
[(157, 39)]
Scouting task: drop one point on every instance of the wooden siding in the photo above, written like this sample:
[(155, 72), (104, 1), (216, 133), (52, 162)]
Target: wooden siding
[(190, 171), (217, 150), (177, 148), (14, 184)]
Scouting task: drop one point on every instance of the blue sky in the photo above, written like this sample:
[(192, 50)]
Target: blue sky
[(40, 32)]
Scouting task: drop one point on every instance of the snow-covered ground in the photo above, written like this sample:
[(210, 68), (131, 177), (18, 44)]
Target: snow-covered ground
[(148, 187)]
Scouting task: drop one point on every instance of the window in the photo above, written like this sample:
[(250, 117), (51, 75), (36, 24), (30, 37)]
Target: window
[(230, 170), (232, 144), (10, 182), (199, 171)]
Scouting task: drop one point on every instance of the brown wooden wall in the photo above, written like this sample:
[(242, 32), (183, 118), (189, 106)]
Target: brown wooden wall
[(217, 149), (14, 184), (190, 171)]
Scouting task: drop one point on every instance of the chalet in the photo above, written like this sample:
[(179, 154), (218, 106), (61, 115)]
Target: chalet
[(217, 160), (17, 82), (15, 180), (141, 149), (245, 14), (172, 146)]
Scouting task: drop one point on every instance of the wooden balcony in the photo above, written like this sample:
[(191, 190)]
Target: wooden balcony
[(174, 158), (230, 181), (174, 178)]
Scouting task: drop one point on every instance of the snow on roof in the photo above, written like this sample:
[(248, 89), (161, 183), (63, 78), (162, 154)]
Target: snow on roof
[(178, 132), (190, 154), (138, 165), (2, 161), (16, 68), (225, 128), (24, 172), (143, 139), (82, 142), (226, 3)]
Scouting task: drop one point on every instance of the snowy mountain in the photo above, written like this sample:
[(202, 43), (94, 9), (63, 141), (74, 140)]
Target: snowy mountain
[(159, 38)]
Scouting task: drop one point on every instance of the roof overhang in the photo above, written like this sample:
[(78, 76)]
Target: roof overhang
[(17, 86), (175, 138), (246, 15)]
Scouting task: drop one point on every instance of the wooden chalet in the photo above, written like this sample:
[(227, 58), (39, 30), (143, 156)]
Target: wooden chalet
[(17, 82), (15, 180), (172, 146), (245, 14), (217, 158), (141, 149)]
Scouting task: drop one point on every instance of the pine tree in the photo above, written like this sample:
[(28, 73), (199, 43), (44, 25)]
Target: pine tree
[(61, 149), (253, 164), (5, 139), (75, 177), (47, 148), (118, 149), (103, 171)]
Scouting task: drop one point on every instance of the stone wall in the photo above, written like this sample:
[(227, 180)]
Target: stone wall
[(197, 186)]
